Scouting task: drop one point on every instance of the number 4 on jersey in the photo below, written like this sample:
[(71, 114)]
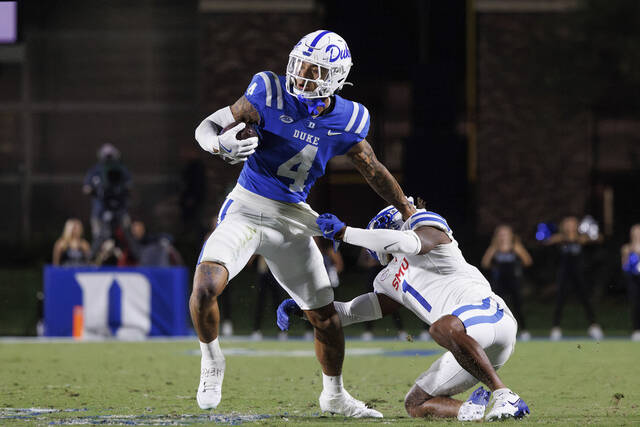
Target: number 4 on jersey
[(304, 160)]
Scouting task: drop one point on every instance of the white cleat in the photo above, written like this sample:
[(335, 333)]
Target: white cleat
[(283, 336), (210, 388), (227, 328), (345, 404), (473, 409), (507, 404), (556, 334), (595, 332), (635, 336), (367, 336), (525, 336), (425, 336)]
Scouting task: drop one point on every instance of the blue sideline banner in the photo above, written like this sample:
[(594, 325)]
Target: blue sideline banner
[(129, 303)]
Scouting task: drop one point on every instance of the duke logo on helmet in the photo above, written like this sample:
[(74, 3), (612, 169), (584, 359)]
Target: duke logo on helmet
[(330, 55)]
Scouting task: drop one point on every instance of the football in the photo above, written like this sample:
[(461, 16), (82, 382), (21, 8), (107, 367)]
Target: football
[(248, 132)]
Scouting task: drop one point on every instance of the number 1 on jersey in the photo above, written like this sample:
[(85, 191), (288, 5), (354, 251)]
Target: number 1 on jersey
[(304, 159), (406, 287)]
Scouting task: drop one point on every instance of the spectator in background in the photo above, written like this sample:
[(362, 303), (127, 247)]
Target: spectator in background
[(266, 284), (505, 257), (109, 254), (151, 250), (108, 183), (71, 249), (571, 274), (631, 268), (373, 267)]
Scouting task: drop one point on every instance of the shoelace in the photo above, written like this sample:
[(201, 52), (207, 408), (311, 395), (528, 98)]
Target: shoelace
[(210, 386)]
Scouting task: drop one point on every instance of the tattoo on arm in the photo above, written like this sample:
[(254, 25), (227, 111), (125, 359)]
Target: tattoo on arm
[(378, 177), (243, 111)]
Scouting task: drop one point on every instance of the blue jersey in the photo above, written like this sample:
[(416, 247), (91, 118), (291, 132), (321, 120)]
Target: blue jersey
[(295, 147)]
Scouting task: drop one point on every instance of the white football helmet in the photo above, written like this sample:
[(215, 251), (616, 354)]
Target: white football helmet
[(330, 54)]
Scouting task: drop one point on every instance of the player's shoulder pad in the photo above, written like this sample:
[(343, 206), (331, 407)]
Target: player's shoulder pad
[(265, 91), (424, 217), (355, 119)]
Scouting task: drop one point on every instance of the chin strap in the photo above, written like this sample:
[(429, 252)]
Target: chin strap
[(312, 104)]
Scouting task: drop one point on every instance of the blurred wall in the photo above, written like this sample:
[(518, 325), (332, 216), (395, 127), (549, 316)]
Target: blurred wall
[(237, 40), (554, 117), (84, 74), (533, 147)]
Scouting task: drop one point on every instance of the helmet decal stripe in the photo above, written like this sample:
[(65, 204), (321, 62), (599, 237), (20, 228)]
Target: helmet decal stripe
[(352, 120), (327, 51), (363, 121), (382, 214), (279, 88), (268, 90), (315, 41)]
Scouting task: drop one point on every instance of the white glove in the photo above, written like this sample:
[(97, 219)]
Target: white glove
[(236, 149)]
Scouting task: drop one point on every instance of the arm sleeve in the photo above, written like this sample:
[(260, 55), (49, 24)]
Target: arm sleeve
[(207, 131), (389, 241), (362, 308)]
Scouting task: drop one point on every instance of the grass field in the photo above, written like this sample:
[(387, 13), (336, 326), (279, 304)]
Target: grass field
[(271, 382)]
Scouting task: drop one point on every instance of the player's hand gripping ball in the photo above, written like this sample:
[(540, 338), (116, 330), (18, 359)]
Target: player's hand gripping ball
[(249, 131), (237, 142)]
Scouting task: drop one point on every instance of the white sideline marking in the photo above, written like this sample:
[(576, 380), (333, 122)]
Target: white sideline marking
[(237, 351), (39, 415)]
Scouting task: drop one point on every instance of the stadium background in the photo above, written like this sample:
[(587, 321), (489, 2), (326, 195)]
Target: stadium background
[(493, 111)]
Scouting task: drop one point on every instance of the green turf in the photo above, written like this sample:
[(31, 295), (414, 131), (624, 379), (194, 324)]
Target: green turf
[(571, 382)]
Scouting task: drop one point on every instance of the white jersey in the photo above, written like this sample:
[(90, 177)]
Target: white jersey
[(436, 283)]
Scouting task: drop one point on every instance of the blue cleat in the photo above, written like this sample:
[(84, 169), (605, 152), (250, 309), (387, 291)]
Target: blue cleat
[(507, 404), (473, 409)]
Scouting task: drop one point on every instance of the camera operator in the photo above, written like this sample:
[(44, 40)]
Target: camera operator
[(108, 183)]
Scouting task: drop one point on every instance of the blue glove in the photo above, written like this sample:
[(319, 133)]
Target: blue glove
[(631, 266), (285, 310), (329, 225)]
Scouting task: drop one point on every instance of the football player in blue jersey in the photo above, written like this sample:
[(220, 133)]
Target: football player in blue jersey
[(301, 123), (427, 273)]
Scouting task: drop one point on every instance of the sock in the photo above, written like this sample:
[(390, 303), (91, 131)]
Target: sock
[(211, 351), (332, 385)]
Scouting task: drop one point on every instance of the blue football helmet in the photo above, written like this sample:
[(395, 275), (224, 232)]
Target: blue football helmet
[(388, 218)]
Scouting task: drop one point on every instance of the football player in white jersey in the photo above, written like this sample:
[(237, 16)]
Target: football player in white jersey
[(301, 123), (426, 272)]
